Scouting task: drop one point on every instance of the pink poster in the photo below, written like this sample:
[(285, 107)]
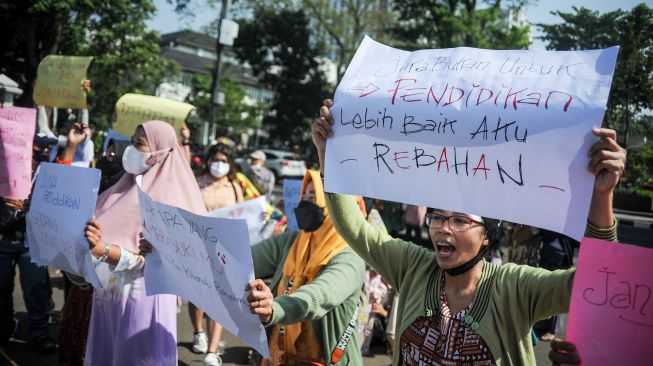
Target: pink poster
[(16, 135), (611, 314)]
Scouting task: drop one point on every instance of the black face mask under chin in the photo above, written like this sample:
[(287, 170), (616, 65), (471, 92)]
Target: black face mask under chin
[(309, 216), (467, 265)]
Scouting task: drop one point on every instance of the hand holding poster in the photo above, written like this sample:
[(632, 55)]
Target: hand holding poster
[(463, 128), (205, 260), (134, 109), (16, 136), (292, 191), (59, 81), (253, 212), (611, 311), (58, 214)]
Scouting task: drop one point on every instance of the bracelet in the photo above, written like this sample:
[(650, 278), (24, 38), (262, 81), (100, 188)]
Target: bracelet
[(608, 233), (105, 255)]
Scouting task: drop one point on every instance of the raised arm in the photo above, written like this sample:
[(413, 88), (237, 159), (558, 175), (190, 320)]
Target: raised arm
[(607, 163), (390, 257)]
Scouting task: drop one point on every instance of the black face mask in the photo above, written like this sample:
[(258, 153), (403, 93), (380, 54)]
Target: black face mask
[(309, 216)]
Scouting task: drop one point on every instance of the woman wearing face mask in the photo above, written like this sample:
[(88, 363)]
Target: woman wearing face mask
[(316, 282), (218, 190), (127, 327), (455, 308)]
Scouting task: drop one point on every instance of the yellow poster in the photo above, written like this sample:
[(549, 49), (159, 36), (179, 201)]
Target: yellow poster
[(59, 81), (134, 109)]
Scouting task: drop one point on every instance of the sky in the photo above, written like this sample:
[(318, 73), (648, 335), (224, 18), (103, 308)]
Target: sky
[(166, 20)]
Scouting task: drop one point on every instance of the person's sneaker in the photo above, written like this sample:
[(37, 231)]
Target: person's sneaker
[(200, 342), (44, 344), (212, 359), (221, 347)]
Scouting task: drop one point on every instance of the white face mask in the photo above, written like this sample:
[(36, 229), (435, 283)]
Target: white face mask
[(134, 161), (219, 169)]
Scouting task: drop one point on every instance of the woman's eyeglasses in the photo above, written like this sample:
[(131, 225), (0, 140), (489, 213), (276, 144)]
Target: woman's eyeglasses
[(456, 222)]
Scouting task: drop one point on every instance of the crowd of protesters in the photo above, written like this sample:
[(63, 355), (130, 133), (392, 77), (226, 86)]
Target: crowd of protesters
[(397, 269)]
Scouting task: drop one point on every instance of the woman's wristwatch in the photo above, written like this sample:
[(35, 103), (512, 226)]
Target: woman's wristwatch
[(105, 255)]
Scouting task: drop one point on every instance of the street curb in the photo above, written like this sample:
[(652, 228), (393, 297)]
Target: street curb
[(636, 223)]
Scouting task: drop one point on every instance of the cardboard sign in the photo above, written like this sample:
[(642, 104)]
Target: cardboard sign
[(253, 212), (16, 137), (62, 203), (59, 81), (292, 191), (205, 260), (462, 129), (134, 109), (611, 311)]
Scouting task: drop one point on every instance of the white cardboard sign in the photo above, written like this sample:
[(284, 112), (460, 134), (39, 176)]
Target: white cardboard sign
[(292, 192), (205, 260), (252, 211), (502, 134), (63, 201)]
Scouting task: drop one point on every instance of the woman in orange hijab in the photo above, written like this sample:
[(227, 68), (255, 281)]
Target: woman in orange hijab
[(317, 281)]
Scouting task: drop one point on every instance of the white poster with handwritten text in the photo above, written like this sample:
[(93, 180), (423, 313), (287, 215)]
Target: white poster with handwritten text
[(292, 191), (63, 201), (502, 134), (205, 260), (253, 212)]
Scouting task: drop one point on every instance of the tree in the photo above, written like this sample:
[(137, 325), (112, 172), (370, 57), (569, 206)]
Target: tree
[(276, 45), (114, 32), (345, 25), (453, 23), (235, 115), (632, 86)]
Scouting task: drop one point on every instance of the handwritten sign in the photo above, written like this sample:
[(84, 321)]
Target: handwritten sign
[(292, 191), (253, 212), (205, 260), (134, 109), (611, 311), (16, 135), (462, 129), (59, 81), (63, 201)]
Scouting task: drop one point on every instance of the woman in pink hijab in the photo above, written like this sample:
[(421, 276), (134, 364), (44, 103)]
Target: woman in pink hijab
[(128, 327)]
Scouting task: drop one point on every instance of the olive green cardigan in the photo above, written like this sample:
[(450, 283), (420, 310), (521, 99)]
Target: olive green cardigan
[(329, 301), (508, 299)]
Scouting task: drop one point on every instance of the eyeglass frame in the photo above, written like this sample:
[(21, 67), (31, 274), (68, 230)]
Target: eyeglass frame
[(448, 220)]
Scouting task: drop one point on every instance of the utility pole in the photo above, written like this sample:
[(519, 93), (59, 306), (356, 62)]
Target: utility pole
[(216, 73)]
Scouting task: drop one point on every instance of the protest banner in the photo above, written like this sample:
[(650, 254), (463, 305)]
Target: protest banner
[(292, 191), (16, 135), (253, 212), (60, 81), (462, 129), (611, 311), (134, 109), (205, 260), (63, 201)]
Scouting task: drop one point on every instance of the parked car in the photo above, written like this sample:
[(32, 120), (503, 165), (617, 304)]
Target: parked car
[(284, 164)]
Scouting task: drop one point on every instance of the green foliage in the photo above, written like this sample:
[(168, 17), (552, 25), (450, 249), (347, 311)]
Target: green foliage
[(276, 45), (453, 23), (346, 25), (114, 32), (235, 116), (632, 86)]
